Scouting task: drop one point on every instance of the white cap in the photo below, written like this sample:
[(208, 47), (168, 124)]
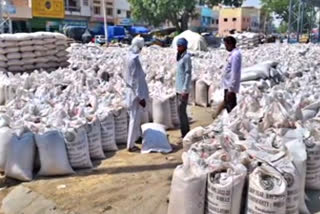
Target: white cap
[(137, 44)]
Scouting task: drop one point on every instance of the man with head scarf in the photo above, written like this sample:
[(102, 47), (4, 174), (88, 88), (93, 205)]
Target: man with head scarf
[(137, 92), (183, 83)]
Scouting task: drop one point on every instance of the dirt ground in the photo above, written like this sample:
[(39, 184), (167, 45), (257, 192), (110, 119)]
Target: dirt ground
[(124, 183)]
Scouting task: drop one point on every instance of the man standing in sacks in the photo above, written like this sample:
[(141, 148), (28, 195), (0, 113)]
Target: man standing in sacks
[(232, 76), (183, 83), (137, 92)]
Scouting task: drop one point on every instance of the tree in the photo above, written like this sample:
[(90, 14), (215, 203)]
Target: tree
[(279, 7), (178, 12)]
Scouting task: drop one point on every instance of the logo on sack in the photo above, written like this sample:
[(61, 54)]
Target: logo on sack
[(309, 143), (289, 178), (267, 182), (70, 137)]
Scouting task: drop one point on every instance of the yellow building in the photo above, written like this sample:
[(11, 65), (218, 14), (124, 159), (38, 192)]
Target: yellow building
[(239, 19)]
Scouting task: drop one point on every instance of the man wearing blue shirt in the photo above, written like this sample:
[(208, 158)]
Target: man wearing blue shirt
[(183, 83), (232, 76)]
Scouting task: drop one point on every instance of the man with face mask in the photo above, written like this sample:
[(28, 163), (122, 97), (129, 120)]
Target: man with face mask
[(183, 83), (137, 92), (231, 77)]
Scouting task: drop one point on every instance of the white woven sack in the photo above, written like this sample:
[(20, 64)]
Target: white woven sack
[(202, 93), (267, 191), (174, 110), (187, 193), (93, 129), (49, 46), (225, 190), (2, 94), (42, 59), (62, 53), (6, 135), (29, 61), (313, 162), (77, 147), (121, 125), (3, 58), (26, 43), (27, 55), (15, 68), (7, 44), (38, 42), (15, 62), (195, 135), (154, 139), (3, 64), (27, 48), (20, 158), (28, 67), (50, 40), (108, 139), (52, 52), (161, 112), (39, 48), (11, 56), (298, 155), (53, 154), (12, 50)]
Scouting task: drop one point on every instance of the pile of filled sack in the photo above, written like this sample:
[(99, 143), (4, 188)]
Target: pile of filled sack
[(263, 155), (247, 40), (81, 110), (25, 52)]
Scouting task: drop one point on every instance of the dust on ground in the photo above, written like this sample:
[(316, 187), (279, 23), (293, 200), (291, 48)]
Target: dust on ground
[(124, 183)]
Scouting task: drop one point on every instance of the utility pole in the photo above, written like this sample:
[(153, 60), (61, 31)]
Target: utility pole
[(105, 20), (1, 17)]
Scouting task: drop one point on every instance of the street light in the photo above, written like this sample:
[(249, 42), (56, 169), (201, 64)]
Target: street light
[(104, 20)]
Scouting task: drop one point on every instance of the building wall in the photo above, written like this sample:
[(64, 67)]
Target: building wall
[(18, 9), (97, 11), (239, 19), (122, 13)]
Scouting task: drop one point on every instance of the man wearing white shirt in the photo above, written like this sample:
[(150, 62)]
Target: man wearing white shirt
[(232, 76)]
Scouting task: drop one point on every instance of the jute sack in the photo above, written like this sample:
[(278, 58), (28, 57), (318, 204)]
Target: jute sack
[(267, 191)]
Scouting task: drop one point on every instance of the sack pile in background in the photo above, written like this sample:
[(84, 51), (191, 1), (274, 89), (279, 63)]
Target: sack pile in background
[(25, 52)]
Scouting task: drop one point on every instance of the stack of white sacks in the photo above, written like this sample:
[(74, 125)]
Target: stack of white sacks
[(247, 40), (78, 115), (261, 157), (25, 52)]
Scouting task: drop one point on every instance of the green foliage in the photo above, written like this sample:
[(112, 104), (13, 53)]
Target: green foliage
[(178, 12), (279, 7)]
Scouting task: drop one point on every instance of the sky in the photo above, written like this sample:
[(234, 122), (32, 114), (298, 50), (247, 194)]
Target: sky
[(252, 3)]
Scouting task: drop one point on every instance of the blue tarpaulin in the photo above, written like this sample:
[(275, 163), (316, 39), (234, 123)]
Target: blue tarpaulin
[(139, 30)]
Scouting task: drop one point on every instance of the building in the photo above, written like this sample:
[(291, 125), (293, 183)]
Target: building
[(47, 15), (77, 12), (16, 15), (239, 19), (97, 17), (206, 20), (122, 13)]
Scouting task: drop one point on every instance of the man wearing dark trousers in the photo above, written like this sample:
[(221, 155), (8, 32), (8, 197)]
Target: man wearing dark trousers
[(232, 76), (183, 83)]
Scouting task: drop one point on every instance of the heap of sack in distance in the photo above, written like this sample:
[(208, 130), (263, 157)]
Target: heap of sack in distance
[(75, 115), (264, 155), (25, 52)]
